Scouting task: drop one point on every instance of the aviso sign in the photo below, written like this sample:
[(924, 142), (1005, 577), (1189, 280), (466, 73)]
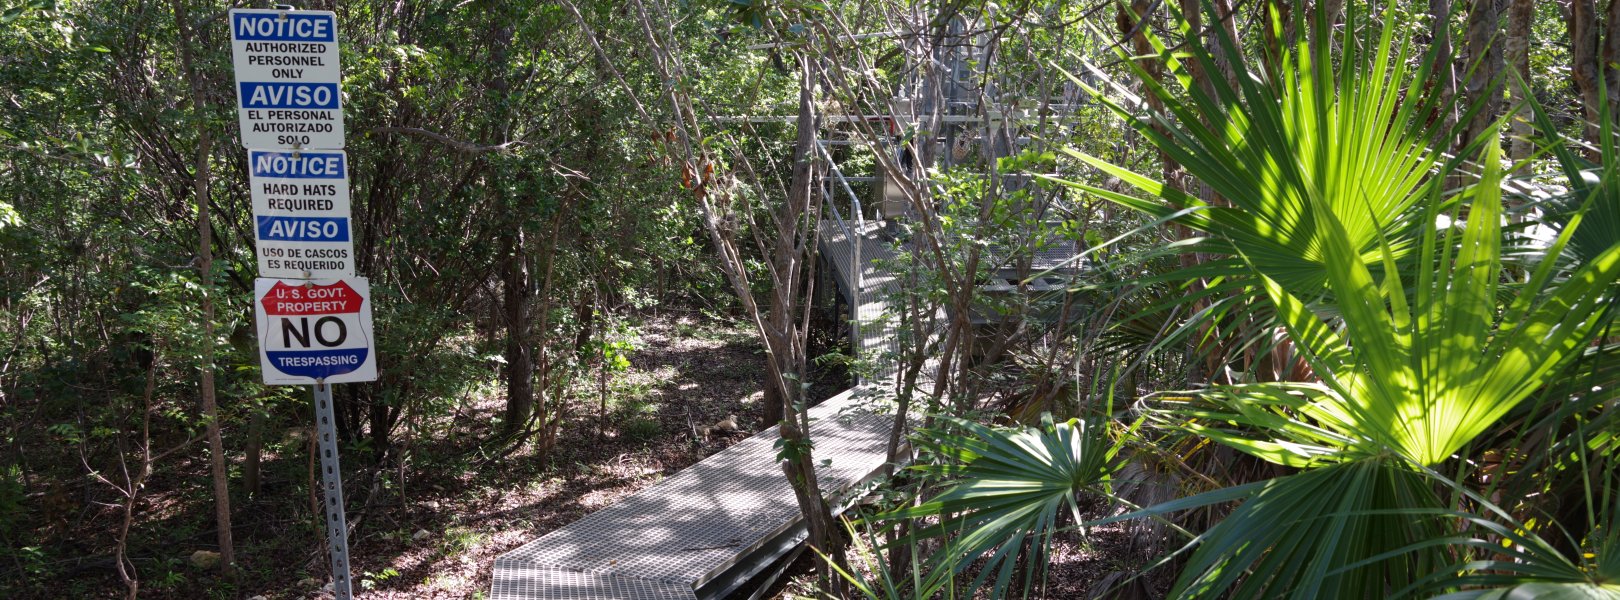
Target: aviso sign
[(287, 78), (301, 213)]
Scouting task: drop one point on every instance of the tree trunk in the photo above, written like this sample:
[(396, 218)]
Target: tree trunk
[(1223, 34), (1584, 68), (771, 399), (1132, 23), (253, 453), (1485, 63), (1611, 53), (1516, 47), (516, 287), (1290, 15), (1445, 77), (1127, 19), (542, 365), (1274, 35), (519, 364), (126, 569), (788, 340), (382, 417), (1333, 12), (205, 270), (1213, 40)]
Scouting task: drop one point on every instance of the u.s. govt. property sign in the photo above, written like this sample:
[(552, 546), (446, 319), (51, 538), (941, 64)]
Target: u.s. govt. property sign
[(315, 330)]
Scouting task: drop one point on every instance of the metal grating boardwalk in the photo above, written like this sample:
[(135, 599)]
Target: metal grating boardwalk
[(694, 533), (865, 279)]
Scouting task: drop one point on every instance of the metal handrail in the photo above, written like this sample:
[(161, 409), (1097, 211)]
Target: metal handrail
[(855, 200), (855, 261), (839, 217)]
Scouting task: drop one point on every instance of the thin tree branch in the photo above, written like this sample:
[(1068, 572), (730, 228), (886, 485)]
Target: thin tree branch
[(454, 144)]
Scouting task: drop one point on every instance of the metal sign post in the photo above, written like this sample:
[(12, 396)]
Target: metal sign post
[(319, 332), (337, 526), (313, 314)]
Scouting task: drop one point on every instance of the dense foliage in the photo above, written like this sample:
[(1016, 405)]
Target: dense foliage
[(1334, 318)]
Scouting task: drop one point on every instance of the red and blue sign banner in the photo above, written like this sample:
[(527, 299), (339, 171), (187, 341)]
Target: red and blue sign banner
[(318, 330)]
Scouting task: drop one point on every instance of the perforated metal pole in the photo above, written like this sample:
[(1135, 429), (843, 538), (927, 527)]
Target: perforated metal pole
[(337, 526)]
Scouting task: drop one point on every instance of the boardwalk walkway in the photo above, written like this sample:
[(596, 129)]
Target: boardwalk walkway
[(705, 531), (869, 284)]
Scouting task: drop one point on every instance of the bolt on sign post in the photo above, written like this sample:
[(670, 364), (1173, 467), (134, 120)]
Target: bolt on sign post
[(313, 313)]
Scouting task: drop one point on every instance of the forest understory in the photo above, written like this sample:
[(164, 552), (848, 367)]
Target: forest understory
[(436, 533), (1164, 300)]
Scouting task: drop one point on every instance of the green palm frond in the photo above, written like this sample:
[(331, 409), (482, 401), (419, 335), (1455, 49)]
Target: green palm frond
[(1594, 188), (1426, 378), (1421, 379), (1290, 538), (1348, 133), (1013, 486), (1408, 379)]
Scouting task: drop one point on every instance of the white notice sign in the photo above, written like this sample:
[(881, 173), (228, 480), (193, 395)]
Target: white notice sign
[(301, 213), (287, 78), (315, 330)]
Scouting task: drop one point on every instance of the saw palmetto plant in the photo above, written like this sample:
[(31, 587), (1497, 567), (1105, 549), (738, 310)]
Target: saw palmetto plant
[(1411, 373), (1014, 489), (1345, 133), (1348, 135), (1419, 340)]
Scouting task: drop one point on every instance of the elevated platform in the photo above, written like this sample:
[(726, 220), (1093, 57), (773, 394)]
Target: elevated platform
[(859, 266), (709, 529)]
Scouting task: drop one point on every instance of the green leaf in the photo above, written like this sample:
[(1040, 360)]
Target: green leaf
[(1013, 485)]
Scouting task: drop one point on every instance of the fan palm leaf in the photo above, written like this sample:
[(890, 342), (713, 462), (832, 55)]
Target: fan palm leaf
[(1408, 378), (1595, 184), (1013, 488), (1352, 138), (1405, 385)]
